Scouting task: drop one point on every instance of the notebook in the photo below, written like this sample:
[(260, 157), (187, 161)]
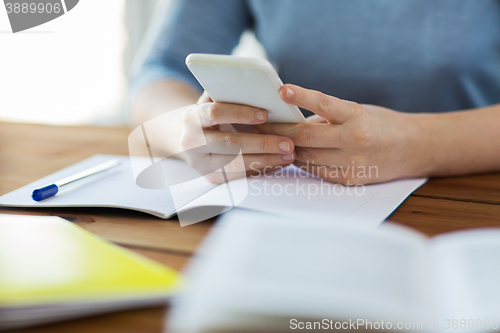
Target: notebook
[(51, 269), (292, 193), (261, 273)]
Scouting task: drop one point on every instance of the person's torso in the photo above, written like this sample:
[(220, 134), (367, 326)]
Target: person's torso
[(412, 55)]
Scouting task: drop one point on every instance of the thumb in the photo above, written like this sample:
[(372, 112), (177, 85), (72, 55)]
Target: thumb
[(315, 119), (204, 98), (331, 108)]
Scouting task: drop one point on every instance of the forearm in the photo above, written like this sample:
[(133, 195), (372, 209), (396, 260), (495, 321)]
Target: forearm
[(457, 143), (159, 98)]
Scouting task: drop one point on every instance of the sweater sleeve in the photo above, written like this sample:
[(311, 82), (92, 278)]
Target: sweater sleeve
[(184, 27)]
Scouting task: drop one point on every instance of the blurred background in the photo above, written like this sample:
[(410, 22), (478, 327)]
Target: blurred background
[(74, 70)]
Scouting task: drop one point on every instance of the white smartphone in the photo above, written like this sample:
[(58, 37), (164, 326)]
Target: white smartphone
[(241, 80)]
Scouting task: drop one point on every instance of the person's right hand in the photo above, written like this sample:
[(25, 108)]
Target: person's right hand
[(261, 152)]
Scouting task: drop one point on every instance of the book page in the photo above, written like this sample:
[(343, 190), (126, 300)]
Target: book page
[(295, 193), (465, 270), (291, 193), (115, 188), (262, 266)]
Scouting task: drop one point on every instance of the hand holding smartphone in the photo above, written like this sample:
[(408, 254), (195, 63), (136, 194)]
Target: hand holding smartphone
[(241, 80), (245, 93)]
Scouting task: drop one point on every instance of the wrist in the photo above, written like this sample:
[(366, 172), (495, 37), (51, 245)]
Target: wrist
[(423, 143)]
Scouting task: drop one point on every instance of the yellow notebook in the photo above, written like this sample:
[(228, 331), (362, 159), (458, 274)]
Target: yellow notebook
[(51, 269)]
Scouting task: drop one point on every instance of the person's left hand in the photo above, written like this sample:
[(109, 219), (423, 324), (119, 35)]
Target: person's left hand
[(350, 143)]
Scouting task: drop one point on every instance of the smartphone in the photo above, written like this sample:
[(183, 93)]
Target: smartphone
[(241, 80)]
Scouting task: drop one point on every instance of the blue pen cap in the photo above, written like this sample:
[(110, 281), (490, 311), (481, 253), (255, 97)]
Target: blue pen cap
[(44, 192)]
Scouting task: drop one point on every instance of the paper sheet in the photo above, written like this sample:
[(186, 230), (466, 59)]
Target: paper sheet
[(117, 189), (292, 193), (295, 194), (257, 268)]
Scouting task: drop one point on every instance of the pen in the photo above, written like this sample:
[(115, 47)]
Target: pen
[(51, 189)]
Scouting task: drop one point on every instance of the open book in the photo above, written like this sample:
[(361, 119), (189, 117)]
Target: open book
[(291, 193), (263, 273), (51, 269)]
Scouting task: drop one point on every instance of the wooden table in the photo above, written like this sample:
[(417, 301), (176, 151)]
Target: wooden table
[(29, 152)]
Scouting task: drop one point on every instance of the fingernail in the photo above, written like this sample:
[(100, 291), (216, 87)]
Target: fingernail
[(260, 115), (254, 130), (285, 146), (288, 157), (289, 93)]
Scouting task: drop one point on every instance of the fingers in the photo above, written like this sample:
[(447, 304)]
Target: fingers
[(307, 135), (331, 108), (212, 114), (326, 156), (321, 156), (315, 119), (248, 143), (204, 98), (255, 162), (212, 165), (206, 163), (266, 170), (333, 174), (218, 177), (345, 175)]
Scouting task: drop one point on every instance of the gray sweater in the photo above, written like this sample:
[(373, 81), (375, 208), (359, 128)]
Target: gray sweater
[(407, 55)]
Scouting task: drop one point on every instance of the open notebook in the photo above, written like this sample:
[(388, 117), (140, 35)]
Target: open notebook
[(51, 269), (261, 273), (292, 194)]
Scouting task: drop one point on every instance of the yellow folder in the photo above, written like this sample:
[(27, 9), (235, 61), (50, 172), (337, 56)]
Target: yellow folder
[(51, 269)]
